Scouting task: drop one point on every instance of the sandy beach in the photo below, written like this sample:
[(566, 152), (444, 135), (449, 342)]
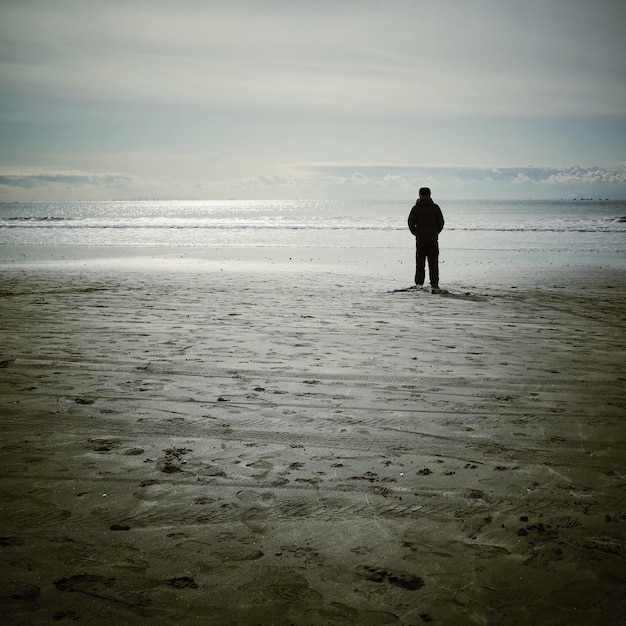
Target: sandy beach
[(276, 443)]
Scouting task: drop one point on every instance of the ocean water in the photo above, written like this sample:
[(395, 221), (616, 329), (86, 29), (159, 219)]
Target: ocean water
[(591, 228)]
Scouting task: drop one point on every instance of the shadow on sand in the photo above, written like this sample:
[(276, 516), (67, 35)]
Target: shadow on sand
[(444, 293)]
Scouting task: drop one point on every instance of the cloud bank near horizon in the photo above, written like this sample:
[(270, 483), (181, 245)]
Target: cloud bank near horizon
[(326, 179)]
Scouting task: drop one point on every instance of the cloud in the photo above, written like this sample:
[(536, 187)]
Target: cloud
[(589, 175), (321, 180), (522, 178), (342, 173), (35, 179), (357, 180), (39, 184)]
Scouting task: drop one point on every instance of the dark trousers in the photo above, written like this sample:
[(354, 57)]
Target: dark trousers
[(427, 249)]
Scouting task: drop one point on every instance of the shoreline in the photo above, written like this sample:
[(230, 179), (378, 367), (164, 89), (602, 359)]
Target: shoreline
[(288, 442)]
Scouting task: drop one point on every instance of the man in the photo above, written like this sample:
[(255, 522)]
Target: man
[(426, 222)]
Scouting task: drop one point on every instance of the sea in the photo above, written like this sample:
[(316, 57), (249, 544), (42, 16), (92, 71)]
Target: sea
[(565, 231)]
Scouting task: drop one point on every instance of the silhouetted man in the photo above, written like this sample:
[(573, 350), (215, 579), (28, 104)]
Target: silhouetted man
[(426, 222)]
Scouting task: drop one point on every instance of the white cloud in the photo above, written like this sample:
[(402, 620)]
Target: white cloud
[(325, 180), (522, 178), (591, 175), (37, 178)]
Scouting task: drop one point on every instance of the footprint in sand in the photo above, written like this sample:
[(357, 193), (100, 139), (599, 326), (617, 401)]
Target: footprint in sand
[(281, 586), (338, 613), (255, 519), (134, 451), (173, 460), (263, 466), (104, 445), (18, 592), (398, 578), (96, 586), (254, 497), (243, 553), (182, 582)]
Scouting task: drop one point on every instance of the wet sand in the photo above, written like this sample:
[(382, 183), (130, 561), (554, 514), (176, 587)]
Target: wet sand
[(275, 444)]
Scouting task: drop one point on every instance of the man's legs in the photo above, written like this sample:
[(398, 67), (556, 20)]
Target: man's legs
[(433, 264), (420, 263)]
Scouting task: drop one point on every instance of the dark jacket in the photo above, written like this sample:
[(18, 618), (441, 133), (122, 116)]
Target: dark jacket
[(426, 220)]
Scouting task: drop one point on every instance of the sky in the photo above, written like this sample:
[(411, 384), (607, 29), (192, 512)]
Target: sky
[(281, 99)]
